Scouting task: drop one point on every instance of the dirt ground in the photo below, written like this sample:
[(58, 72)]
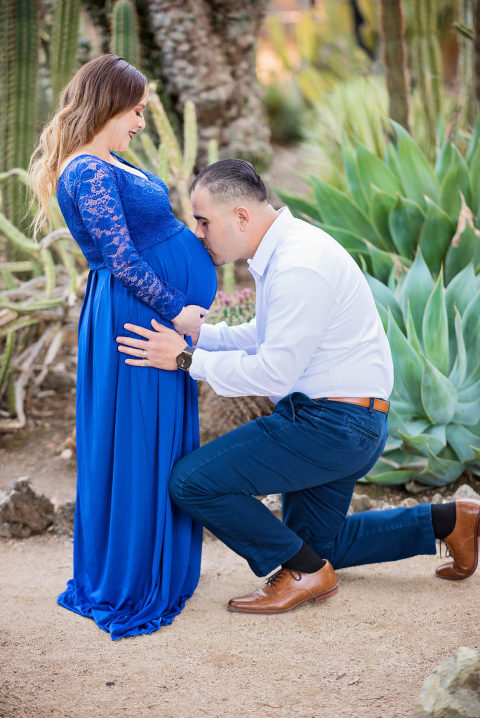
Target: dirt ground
[(364, 652)]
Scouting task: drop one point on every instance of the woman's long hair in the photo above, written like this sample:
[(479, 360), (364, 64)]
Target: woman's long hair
[(98, 91)]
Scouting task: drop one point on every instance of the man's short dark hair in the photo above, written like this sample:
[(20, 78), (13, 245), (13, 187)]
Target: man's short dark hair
[(229, 180)]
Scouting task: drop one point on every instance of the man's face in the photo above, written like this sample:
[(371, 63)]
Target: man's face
[(216, 227)]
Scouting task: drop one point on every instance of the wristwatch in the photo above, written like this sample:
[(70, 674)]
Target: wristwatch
[(184, 359)]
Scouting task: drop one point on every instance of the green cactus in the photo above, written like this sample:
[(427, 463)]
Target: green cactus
[(168, 160), (124, 40), (427, 66), (393, 206), (63, 52), (19, 34), (434, 334)]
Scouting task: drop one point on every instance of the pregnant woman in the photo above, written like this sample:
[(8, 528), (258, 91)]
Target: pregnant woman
[(136, 557)]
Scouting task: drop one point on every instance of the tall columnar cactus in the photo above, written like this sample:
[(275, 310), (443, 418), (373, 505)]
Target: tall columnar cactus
[(392, 29), (427, 64), (64, 44), (19, 34), (125, 40)]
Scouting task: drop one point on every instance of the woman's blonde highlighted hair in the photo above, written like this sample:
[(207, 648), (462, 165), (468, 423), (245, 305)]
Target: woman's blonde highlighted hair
[(99, 90)]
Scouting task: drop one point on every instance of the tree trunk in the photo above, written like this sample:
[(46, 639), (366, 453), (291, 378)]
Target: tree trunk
[(392, 28), (205, 52)]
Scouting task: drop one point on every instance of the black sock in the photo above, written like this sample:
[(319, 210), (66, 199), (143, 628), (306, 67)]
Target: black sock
[(443, 519), (306, 561)]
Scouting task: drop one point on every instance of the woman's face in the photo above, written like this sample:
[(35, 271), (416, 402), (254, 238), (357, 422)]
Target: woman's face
[(120, 129)]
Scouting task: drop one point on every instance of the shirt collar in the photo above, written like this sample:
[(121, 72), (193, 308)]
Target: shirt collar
[(270, 239)]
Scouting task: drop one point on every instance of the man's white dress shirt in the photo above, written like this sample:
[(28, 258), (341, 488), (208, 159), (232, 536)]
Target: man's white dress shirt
[(316, 329)]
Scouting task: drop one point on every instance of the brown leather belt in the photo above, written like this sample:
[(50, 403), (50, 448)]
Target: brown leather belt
[(378, 404)]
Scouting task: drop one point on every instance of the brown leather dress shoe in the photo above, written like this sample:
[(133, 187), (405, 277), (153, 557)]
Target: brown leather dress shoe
[(287, 589), (463, 542)]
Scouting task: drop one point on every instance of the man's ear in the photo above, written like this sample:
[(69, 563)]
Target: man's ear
[(242, 217)]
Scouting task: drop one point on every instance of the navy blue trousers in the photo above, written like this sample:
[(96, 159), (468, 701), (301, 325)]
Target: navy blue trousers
[(311, 452)]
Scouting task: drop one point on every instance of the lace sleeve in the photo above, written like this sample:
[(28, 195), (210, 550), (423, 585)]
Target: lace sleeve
[(101, 210)]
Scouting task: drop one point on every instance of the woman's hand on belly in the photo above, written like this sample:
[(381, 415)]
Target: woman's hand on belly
[(189, 321)]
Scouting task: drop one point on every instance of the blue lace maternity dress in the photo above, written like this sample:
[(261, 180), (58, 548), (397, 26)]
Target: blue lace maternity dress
[(136, 556)]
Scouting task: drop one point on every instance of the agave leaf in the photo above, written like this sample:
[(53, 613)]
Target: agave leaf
[(422, 444), (408, 366), (440, 472), (458, 294), (337, 208), (467, 413), (470, 393), (412, 332), (379, 210), (435, 236), (417, 426), (475, 180), (299, 207), (394, 477), (373, 171), (351, 174), (461, 251), (455, 181), (459, 370), (471, 333), (417, 288), (439, 396), (405, 222), (464, 442), (435, 327), (443, 161), (384, 262), (383, 295), (416, 174), (347, 239)]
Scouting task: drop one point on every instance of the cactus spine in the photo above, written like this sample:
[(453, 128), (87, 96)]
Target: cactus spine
[(64, 44), (125, 32), (18, 88)]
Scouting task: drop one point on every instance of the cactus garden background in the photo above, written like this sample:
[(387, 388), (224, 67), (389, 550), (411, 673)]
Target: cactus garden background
[(364, 118)]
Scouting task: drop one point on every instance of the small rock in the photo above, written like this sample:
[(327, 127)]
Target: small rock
[(66, 454), (437, 499), (452, 690), (23, 512), (361, 502), (409, 502), (273, 502), (466, 492)]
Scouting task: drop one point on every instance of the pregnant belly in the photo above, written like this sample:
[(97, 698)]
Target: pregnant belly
[(185, 264)]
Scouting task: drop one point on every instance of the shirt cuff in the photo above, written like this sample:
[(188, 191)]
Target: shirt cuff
[(209, 337), (197, 367)]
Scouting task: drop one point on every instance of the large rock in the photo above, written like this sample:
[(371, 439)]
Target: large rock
[(24, 512), (453, 689)]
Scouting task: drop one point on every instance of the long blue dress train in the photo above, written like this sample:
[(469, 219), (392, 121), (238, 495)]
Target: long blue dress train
[(136, 557)]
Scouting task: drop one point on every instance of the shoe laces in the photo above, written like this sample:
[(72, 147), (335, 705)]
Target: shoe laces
[(448, 553), (274, 578)]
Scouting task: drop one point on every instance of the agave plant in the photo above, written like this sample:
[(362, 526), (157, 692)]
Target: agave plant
[(434, 334), (396, 205)]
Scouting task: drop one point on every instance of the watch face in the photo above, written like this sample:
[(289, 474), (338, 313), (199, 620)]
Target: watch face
[(184, 360)]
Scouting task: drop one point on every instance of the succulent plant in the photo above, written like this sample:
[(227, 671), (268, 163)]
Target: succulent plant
[(396, 205), (434, 335)]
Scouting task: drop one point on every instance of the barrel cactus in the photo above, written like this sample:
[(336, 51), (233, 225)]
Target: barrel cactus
[(434, 334)]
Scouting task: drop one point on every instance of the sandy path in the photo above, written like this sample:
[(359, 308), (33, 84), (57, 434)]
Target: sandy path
[(364, 652)]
